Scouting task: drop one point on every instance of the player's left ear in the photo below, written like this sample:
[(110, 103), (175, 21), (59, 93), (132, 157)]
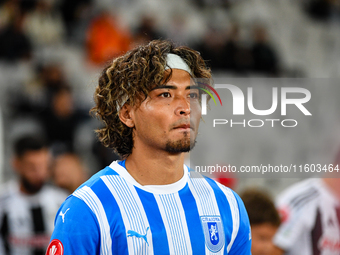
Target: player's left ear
[(125, 116)]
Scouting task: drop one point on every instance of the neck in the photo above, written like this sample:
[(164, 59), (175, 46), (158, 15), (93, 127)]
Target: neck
[(149, 167)]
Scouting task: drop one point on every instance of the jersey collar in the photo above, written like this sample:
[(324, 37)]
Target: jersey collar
[(155, 189)]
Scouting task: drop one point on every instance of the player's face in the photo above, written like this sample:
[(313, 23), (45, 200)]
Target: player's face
[(168, 118), (33, 169)]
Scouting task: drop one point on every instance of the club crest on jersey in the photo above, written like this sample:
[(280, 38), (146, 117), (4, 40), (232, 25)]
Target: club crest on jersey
[(213, 232)]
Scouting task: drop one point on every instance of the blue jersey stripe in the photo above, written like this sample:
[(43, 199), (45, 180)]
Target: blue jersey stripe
[(159, 238), (115, 220), (122, 191), (193, 221)]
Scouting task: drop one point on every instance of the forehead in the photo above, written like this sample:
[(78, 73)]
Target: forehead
[(34, 154), (176, 77)]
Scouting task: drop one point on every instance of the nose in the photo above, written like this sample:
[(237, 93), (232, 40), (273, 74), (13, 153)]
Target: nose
[(183, 106)]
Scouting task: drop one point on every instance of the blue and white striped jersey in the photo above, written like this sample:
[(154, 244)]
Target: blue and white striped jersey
[(113, 214)]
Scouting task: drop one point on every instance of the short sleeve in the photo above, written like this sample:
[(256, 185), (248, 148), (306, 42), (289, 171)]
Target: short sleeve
[(76, 228), (242, 243), (293, 224)]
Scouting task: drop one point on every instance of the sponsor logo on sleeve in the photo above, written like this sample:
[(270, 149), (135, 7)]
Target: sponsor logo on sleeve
[(63, 214), (55, 248)]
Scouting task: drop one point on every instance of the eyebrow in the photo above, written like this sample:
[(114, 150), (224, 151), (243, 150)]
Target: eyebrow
[(164, 86)]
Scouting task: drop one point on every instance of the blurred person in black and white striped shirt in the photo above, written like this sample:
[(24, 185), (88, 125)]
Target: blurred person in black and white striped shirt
[(28, 205)]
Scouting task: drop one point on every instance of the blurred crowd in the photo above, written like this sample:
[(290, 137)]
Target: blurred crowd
[(102, 31), (26, 26), (62, 45)]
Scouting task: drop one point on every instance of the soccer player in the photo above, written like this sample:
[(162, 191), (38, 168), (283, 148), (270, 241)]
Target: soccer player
[(27, 204), (150, 203)]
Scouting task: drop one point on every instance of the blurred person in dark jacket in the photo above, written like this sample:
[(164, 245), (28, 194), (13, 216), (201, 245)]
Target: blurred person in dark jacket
[(265, 59), (14, 43), (61, 119)]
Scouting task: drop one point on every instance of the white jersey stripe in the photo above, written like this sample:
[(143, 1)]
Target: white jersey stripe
[(184, 225), (134, 217), (166, 223), (175, 223), (199, 206), (235, 214), (125, 209), (90, 198), (207, 197)]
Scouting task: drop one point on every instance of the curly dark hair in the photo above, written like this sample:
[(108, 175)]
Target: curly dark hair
[(129, 78), (260, 207)]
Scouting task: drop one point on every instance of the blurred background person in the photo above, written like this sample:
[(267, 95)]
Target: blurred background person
[(73, 13), (68, 171), (310, 213), (146, 31), (60, 120), (264, 220), (28, 205), (264, 56), (213, 49), (44, 25), (15, 44), (106, 38)]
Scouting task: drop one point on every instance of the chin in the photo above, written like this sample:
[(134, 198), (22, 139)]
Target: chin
[(183, 145)]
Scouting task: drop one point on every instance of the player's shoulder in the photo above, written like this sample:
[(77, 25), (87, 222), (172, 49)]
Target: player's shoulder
[(299, 198), (305, 189), (237, 211), (219, 189), (8, 190), (214, 184)]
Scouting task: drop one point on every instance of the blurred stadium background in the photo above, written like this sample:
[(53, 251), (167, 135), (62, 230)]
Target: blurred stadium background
[(51, 53)]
